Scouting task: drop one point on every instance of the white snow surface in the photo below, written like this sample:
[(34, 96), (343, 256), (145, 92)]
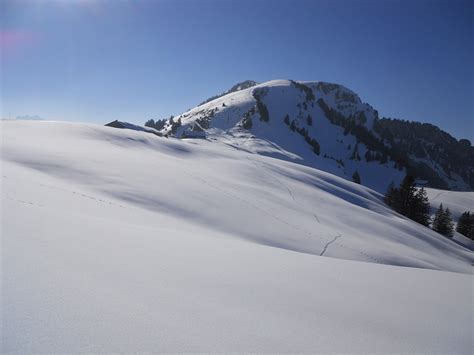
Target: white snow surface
[(121, 241)]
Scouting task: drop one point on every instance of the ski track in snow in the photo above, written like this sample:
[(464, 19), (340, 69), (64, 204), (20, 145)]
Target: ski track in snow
[(329, 243), (281, 220), (373, 259), (234, 196), (22, 201), (80, 194), (251, 204)]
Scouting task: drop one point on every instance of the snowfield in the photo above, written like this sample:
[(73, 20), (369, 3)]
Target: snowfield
[(122, 241)]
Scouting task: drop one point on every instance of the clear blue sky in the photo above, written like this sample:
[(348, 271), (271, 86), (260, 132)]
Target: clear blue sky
[(95, 61)]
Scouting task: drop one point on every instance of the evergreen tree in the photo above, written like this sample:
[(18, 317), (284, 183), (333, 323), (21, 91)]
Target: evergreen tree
[(449, 223), (421, 208), (159, 124), (316, 148), (263, 111), (466, 225), (150, 123), (302, 131), (287, 120), (409, 201), (355, 153), (442, 222), (356, 177), (293, 125), (309, 120), (438, 219), (406, 195), (391, 196), (247, 122)]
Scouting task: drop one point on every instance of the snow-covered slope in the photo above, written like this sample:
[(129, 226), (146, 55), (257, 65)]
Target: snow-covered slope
[(457, 202), (320, 124), (116, 240)]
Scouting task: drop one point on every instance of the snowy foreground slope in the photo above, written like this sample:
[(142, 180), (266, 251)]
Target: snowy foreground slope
[(115, 240)]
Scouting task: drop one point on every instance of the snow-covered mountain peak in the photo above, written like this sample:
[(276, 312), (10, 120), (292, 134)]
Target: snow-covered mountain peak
[(289, 114), (326, 126), (301, 94)]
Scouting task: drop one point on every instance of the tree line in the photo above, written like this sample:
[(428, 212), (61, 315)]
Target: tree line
[(412, 202)]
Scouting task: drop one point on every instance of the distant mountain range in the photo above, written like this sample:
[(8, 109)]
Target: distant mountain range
[(327, 126)]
